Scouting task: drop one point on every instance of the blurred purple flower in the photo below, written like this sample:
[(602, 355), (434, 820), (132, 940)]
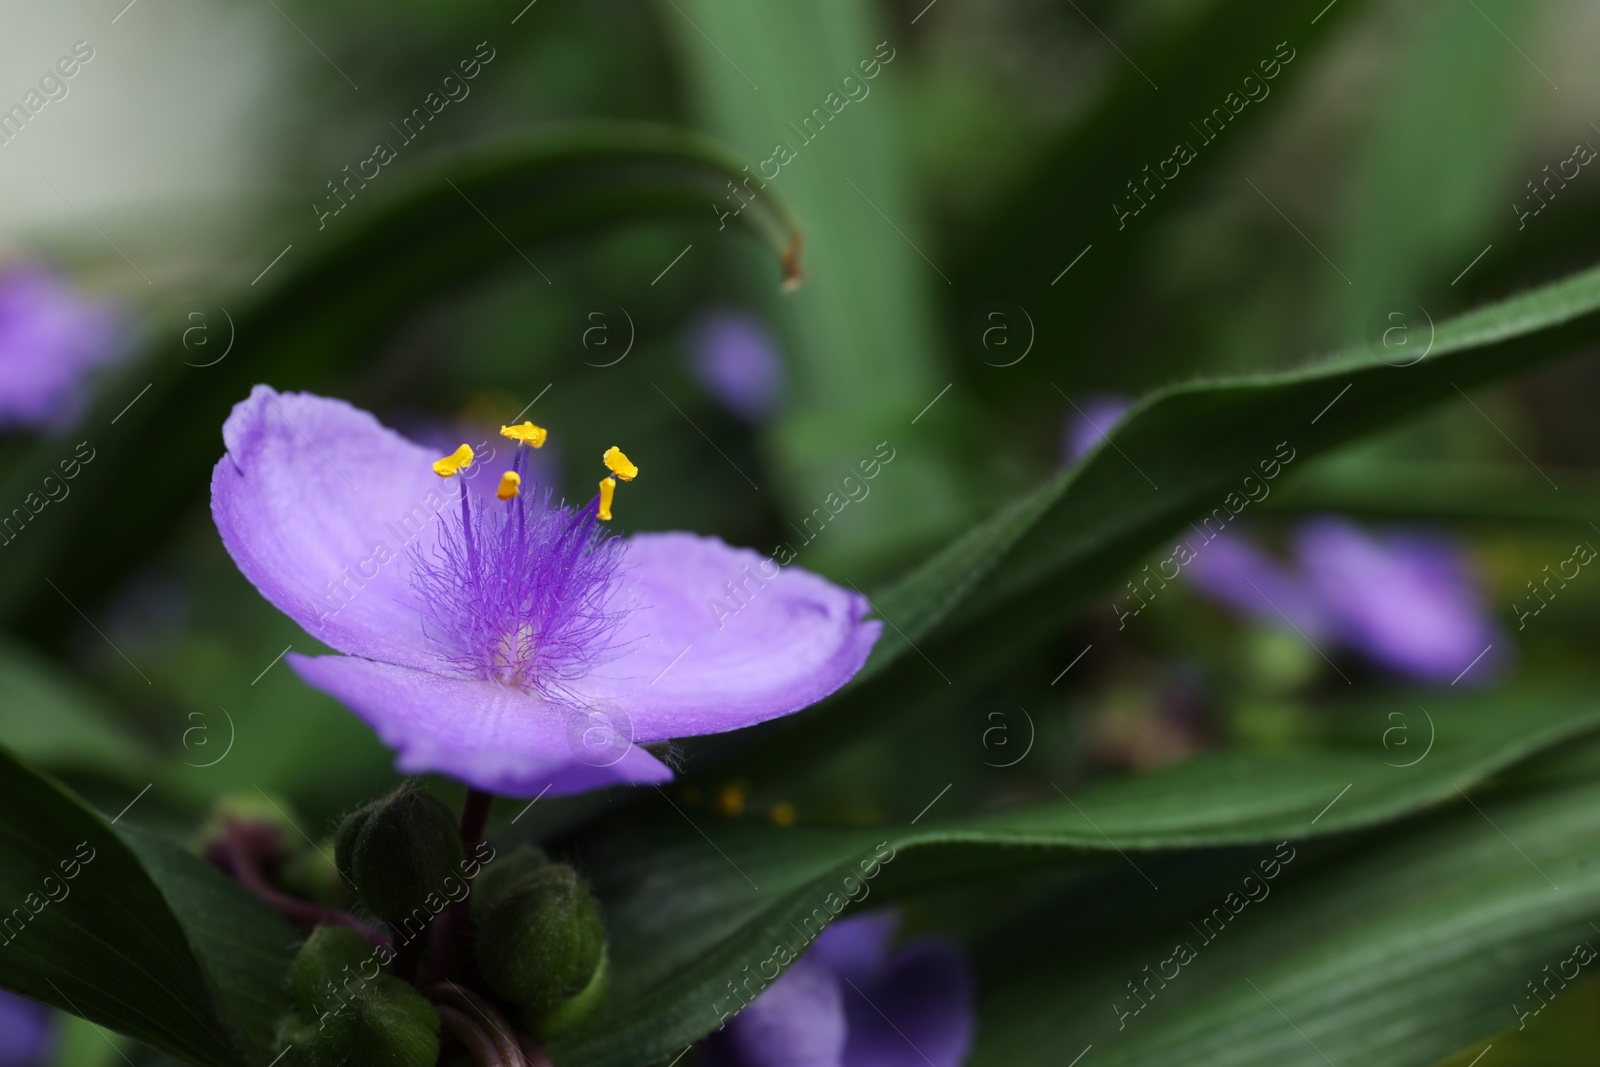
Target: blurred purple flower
[(1239, 573), (735, 359), (27, 1032), (492, 639), (1408, 601), (853, 1002), (51, 337), (1089, 422)]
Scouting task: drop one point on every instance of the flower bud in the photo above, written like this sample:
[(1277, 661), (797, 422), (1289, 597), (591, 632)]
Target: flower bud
[(331, 957), (348, 1012), (541, 946), (500, 876), (399, 851)]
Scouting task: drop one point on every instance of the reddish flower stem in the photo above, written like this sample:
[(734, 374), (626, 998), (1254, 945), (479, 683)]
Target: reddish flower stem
[(440, 940), (474, 817), (484, 1052), (406, 958), (302, 913), (507, 1045), (457, 921)]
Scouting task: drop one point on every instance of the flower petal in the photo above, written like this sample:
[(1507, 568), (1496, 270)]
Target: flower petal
[(919, 1012), (51, 338), (1091, 424), (858, 947), (28, 1032), (797, 1021), (317, 503), (699, 660), (492, 737), (1409, 602), (1235, 570), (734, 357)]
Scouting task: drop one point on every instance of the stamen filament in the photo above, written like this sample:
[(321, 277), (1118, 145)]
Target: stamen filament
[(466, 526)]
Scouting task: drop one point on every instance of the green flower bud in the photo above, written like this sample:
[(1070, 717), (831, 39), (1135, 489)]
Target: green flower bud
[(348, 1012), (578, 1008), (541, 947), (331, 957), (503, 873), (399, 851)]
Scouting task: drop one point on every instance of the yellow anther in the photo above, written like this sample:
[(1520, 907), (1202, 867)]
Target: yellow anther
[(619, 464), (510, 485), (527, 433), (451, 464), (608, 489)]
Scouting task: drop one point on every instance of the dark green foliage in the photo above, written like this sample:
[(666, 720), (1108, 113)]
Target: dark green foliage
[(132, 932)]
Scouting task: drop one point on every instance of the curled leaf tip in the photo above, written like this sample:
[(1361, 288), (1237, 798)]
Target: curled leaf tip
[(793, 273)]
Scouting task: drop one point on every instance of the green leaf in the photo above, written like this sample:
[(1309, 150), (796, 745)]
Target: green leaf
[(1571, 1022), (860, 329), (55, 722), (142, 938), (1407, 226), (1392, 958), (1185, 451), (243, 948), (1068, 203), (686, 916), (1450, 492), (338, 293)]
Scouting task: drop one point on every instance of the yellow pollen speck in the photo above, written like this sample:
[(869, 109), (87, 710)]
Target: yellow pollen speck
[(527, 433), (783, 813), (619, 464), (510, 485), (451, 464), (608, 489), (730, 799)]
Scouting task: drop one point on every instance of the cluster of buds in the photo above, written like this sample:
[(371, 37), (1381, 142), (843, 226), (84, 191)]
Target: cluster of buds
[(516, 956)]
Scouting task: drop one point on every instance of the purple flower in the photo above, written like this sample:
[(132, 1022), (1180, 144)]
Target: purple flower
[(27, 1033), (735, 359), (852, 1002), (1408, 601), (511, 641), (51, 337), (1090, 423), (1239, 573)]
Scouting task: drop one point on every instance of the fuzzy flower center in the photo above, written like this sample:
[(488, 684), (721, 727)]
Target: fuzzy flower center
[(522, 589)]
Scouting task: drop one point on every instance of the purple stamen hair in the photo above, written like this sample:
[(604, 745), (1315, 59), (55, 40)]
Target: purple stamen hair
[(522, 591)]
